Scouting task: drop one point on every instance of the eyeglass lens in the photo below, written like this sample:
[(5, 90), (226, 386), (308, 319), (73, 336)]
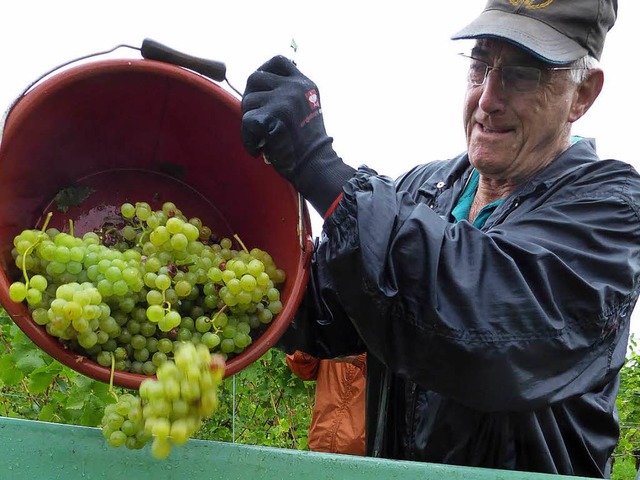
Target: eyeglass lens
[(518, 78)]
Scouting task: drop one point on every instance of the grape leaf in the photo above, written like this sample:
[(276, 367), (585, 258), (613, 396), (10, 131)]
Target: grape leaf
[(92, 413), (83, 384), (40, 380), (47, 412), (77, 399), (285, 424), (72, 196), (9, 374), (29, 362)]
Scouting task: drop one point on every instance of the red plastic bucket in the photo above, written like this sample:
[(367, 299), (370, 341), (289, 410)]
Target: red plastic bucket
[(143, 130)]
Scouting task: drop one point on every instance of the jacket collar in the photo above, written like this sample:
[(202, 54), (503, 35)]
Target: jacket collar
[(456, 173)]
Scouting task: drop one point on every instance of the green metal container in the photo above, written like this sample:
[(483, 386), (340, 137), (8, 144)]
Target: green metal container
[(46, 451)]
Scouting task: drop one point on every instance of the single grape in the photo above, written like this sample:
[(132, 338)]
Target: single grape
[(17, 291), (127, 210)]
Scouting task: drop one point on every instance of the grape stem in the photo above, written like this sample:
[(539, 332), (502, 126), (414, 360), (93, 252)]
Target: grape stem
[(30, 249), (46, 221), (235, 235), (113, 370), (24, 264), (188, 264), (218, 314), (165, 303), (143, 233)]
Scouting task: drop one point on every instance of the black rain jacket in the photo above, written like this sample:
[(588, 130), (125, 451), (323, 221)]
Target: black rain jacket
[(497, 347)]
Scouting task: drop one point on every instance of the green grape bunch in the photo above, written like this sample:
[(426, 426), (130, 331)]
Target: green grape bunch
[(127, 293), (169, 409)]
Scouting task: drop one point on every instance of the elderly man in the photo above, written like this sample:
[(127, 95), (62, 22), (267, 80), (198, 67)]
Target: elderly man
[(492, 291)]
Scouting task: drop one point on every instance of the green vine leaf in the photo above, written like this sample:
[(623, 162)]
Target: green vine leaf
[(40, 380), (29, 362), (9, 374), (47, 413), (72, 196)]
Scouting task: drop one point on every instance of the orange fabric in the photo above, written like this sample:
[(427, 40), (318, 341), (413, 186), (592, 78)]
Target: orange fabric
[(333, 206), (338, 418)]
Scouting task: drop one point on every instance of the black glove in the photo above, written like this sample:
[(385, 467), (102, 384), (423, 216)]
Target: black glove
[(282, 117)]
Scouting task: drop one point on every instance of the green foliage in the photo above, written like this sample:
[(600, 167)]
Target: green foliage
[(264, 404), (624, 469), (628, 402), (36, 387)]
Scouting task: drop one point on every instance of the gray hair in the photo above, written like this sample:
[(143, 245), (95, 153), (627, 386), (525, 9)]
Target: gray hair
[(583, 65)]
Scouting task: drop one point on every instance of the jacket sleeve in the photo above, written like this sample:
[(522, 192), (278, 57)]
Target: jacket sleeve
[(530, 312), (303, 366), (321, 327)]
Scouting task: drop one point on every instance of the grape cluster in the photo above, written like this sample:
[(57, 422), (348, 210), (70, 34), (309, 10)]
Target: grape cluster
[(126, 294), (122, 423), (168, 410)]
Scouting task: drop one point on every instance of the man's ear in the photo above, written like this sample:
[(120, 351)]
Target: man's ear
[(586, 94)]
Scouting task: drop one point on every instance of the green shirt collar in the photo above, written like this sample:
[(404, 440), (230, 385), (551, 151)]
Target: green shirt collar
[(462, 208)]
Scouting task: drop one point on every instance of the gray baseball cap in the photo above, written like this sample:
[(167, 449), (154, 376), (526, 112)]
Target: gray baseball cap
[(557, 31)]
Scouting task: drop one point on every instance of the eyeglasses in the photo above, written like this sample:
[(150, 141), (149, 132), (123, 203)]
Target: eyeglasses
[(512, 77)]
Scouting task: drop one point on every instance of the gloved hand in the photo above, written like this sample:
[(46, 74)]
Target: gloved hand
[(282, 117)]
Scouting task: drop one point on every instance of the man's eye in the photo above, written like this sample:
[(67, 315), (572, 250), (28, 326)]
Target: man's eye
[(520, 73)]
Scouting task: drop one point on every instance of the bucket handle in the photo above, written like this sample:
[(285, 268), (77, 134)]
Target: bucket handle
[(150, 50), (213, 69)]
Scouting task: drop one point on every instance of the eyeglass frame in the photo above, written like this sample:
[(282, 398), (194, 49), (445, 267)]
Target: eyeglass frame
[(501, 69)]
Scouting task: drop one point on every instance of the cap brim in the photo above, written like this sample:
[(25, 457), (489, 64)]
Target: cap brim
[(526, 32)]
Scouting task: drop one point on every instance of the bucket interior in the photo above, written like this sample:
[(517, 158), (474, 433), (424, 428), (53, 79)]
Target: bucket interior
[(141, 130)]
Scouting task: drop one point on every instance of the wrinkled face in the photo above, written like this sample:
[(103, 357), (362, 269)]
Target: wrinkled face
[(513, 134)]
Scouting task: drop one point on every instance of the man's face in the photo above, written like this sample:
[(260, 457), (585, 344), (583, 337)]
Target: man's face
[(513, 134)]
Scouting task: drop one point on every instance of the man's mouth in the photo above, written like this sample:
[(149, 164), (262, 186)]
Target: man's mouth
[(487, 129)]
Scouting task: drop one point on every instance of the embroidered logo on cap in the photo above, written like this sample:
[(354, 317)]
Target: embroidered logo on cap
[(530, 4)]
